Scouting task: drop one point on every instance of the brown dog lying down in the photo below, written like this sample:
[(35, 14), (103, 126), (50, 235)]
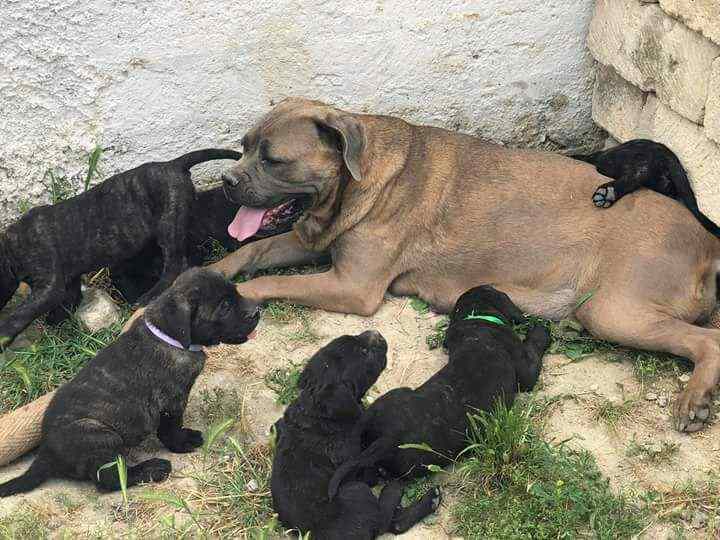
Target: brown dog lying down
[(424, 211)]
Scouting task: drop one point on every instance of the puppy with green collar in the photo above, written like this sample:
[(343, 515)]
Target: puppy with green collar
[(487, 363)]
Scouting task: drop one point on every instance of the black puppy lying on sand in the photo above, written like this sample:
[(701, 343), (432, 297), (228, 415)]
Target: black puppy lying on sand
[(137, 386), (210, 219), (487, 362), (319, 432), (50, 247), (643, 163)]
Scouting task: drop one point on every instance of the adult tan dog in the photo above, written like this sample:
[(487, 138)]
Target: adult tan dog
[(423, 211)]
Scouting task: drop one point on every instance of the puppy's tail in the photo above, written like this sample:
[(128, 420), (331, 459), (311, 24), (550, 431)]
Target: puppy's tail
[(378, 450), (36, 474), (681, 182), (587, 158), (199, 156)]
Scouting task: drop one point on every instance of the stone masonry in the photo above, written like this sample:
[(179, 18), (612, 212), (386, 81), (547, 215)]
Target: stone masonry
[(659, 78)]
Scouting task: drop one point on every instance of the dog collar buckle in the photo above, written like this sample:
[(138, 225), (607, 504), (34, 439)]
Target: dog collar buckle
[(162, 336)]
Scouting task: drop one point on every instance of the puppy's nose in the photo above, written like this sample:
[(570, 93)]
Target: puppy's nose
[(373, 338), (230, 179)]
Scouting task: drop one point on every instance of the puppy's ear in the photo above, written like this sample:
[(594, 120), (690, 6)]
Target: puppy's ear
[(352, 136), (336, 401), (172, 313)]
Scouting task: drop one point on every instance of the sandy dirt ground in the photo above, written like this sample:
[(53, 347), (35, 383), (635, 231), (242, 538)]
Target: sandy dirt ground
[(578, 389)]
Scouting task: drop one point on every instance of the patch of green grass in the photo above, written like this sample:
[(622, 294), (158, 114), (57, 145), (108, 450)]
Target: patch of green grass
[(516, 485), (419, 305), (233, 495), (612, 413), (284, 381), (24, 524), (24, 205), (93, 162), (437, 337), (282, 312), (660, 452), (55, 357), (213, 250), (218, 404), (416, 489)]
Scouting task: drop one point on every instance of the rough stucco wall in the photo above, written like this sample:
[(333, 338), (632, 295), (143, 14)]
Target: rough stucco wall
[(153, 79)]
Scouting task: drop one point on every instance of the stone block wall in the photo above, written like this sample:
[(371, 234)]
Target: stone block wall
[(659, 78)]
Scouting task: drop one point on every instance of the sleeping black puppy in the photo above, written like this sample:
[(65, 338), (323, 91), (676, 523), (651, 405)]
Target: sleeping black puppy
[(319, 432), (212, 213), (487, 362), (643, 163), (50, 247), (137, 386)]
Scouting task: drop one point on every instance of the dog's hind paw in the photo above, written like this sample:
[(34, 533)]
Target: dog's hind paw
[(184, 441), (604, 196), (692, 411)]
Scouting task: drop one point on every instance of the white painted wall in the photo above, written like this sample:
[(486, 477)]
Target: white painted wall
[(151, 79)]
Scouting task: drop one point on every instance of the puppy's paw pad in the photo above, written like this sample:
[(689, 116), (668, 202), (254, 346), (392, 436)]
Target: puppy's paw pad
[(436, 499), (604, 196), (157, 469)]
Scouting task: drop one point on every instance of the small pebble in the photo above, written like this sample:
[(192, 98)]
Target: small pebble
[(252, 486), (662, 401), (684, 378), (594, 388), (651, 396), (699, 520)]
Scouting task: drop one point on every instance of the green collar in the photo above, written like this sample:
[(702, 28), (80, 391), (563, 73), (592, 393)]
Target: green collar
[(488, 318)]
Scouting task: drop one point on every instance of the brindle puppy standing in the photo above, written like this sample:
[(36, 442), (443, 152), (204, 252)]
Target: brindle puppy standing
[(424, 211)]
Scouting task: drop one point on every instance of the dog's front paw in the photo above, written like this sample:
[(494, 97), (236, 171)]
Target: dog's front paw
[(604, 196), (693, 410), (156, 470), (184, 441)]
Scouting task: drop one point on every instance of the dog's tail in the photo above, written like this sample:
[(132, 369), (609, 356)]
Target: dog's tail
[(36, 474), (199, 156), (378, 450)]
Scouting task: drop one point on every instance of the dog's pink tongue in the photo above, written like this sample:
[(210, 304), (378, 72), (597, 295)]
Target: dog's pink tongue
[(246, 223)]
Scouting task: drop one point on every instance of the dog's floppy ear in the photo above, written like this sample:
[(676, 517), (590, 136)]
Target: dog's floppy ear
[(173, 313), (352, 136), (337, 402)]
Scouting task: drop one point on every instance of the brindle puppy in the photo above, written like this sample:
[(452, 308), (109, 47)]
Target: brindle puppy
[(50, 247), (138, 386)]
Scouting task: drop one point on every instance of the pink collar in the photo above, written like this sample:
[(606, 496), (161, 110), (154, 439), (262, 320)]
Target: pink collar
[(162, 336)]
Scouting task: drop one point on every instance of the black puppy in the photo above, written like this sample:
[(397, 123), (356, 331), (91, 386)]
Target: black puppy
[(50, 247), (212, 213), (643, 163), (137, 386), (487, 362), (319, 432)]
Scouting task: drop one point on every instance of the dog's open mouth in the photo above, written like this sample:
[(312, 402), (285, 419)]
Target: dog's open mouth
[(264, 221)]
